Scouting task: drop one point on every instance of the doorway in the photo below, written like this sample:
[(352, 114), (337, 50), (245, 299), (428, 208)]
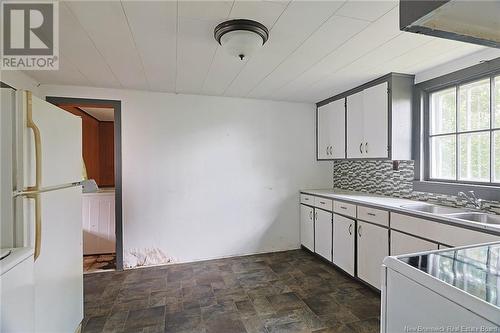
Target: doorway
[(102, 205)]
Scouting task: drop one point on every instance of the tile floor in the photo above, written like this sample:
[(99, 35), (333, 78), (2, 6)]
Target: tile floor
[(288, 291), (99, 262)]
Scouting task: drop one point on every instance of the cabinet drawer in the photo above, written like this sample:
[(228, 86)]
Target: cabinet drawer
[(306, 199), (323, 203), (373, 215), (344, 208), (439, 232)]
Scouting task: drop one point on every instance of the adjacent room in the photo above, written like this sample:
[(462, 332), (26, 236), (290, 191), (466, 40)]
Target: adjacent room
[(98, 199), (248, 166)]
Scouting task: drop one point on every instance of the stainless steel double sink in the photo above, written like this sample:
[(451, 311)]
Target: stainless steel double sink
[(456, 213)]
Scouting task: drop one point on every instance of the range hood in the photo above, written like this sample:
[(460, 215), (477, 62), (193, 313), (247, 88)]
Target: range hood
[(472, 21)]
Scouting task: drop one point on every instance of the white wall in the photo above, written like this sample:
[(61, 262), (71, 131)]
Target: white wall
[(207, 177)]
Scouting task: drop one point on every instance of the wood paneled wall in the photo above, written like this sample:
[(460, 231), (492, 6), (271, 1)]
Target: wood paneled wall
[(98, 147), (107, 153)]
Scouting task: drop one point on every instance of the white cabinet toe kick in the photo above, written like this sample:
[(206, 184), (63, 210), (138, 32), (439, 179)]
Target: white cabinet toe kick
[(356, 237)]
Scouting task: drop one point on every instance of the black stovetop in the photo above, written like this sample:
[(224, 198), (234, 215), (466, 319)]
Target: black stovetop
[(474, 270)]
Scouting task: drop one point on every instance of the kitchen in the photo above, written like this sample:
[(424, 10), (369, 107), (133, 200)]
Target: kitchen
[(269, 176)]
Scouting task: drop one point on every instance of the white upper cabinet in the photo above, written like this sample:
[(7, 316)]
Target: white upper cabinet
[(377, 119), (368, 123), (331, 130), (355, 126)]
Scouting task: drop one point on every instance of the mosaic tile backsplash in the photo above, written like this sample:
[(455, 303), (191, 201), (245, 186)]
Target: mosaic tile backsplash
[(378, 177)]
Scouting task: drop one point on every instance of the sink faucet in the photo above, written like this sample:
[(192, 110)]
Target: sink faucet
[(472, 199)]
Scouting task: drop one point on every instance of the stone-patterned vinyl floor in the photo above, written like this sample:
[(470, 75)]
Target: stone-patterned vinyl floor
[(288, 291)]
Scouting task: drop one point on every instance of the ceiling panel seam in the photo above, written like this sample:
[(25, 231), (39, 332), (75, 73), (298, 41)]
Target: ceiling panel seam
[(215, 53), (296, 49), (93, 43), (135, 45), (176, 44), (326, 56)]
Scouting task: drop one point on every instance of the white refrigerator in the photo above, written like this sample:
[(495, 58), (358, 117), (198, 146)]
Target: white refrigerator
[(41, 211)]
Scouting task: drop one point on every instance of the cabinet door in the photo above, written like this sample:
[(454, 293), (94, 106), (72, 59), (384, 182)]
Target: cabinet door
[(323, 234), (337, 133), (343, 243), (376, 121), (307, 227), (355, 124), (404, 244), (373, 247), (324, 129)]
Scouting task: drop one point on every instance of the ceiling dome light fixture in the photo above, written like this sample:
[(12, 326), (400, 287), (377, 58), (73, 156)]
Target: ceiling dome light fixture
[(241, 38)]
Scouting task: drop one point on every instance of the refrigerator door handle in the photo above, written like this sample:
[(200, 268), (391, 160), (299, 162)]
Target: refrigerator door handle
[(38, 224), (38, 219), (38, 143)]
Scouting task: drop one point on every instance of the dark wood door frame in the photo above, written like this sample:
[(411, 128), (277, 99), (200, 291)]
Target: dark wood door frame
[(116, 105)]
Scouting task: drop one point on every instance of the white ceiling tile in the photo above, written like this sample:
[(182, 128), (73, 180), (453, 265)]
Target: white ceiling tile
[(67, 74), (205, 10), (366, 9), (154, 27), (406, 61), (331, 35), (77, 47), (376, 34), (195, 50), (223, 70), (107, 26), (286, 36), (265, 12)]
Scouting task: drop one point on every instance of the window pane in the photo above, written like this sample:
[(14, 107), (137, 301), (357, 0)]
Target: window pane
[(474, 110), (474, 160), (497, 102), (443, 111), (443, 157), (496, 152)]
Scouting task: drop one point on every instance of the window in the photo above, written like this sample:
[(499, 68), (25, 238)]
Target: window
[(464, 132)]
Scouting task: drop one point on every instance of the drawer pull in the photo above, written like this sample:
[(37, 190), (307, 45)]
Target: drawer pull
[(350, 229), (372, 214), (359, 231), (322, 202), (306, 199), (343, 207)]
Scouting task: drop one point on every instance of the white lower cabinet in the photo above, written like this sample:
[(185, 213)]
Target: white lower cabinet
[(343, 243), (323, 234), (307, 227), (373, 247), (404, 244)]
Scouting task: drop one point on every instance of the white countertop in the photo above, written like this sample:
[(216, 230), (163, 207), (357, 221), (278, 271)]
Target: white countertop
[(16, 256), (102, 191), (394, 204)]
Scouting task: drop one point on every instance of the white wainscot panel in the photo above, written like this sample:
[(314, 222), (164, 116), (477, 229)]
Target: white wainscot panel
[(99, 223)]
